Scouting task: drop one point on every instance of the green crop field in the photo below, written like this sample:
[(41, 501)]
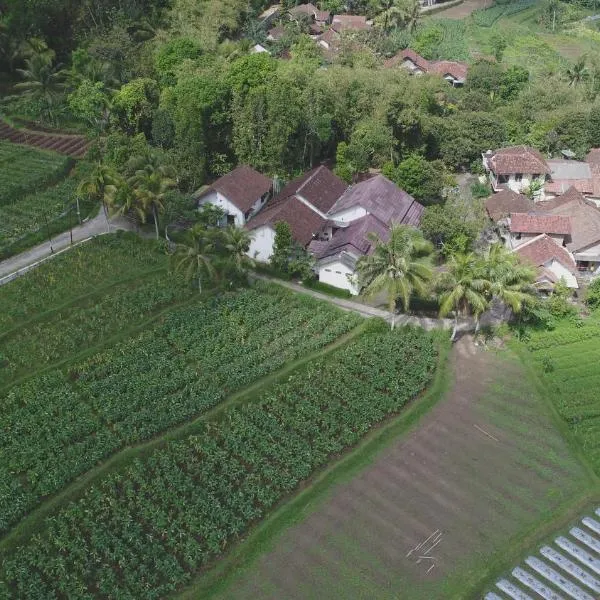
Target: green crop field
[(148, 528), (25, 170), (567, 361), (120, 366)]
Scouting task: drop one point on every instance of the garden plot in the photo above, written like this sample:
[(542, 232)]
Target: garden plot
[(569, 568)]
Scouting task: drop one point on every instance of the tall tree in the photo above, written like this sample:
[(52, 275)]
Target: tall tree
[(43, 81), (236, 243), (195, 256), (508, 280), (464, 289), (102, 184), (397, 267), (151, 181)]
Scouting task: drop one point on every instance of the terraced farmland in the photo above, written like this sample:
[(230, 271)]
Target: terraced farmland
[(75, 146), (567, 362), (568, 567)]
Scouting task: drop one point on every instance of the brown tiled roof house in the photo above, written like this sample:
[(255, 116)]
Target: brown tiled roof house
[(539, 223), (517, 159), (501, 205)]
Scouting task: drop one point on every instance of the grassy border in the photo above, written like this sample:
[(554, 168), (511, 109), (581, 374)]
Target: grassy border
[(317, 488), (33, 521)]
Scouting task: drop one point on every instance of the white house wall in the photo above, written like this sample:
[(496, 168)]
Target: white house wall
[(562, 272), (263, 241), (223, 203), (590, 254), (336, 274), (348, 215), (515, 241)]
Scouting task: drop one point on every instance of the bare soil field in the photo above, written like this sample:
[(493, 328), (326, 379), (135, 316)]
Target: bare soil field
[(425, 519), (464, 10)]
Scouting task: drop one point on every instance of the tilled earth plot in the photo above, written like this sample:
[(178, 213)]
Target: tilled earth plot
[(568, 568), (424, 519)]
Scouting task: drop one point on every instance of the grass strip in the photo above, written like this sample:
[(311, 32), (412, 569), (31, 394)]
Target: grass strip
[(317, 488), (34, 520)]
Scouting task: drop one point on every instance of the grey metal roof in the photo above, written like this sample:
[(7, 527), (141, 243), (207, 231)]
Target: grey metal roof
[(569, 169)]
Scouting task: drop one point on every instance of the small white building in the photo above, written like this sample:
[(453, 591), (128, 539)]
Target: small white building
[(553, 261), (303, 203), (516, 168), (240, 194), (370, 206)]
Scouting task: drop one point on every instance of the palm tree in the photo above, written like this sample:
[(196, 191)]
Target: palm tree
[(577, 73), (464, 288), (411, 14), (508, 279), (43, 81), (391, 14), (399, 266), (195, 257), (103, 183), (150, 183), (236, 243)]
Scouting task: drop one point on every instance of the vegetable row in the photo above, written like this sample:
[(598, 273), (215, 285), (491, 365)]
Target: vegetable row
[(145, 530)]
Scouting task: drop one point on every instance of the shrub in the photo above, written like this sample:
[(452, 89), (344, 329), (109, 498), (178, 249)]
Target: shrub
[(592, 297)]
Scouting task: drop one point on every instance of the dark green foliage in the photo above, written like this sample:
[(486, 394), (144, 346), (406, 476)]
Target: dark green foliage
[(244, 463), (282, 248), (424, 180), (163, 129), (454, 226), (172, 54), (480, 190), (107, 401), (592, 296), (460, 138)]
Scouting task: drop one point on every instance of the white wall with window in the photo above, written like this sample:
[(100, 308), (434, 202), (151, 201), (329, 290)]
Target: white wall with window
[(339, 275)]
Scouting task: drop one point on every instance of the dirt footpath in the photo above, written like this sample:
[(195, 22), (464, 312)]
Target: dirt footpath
[(463, 10), (430, 510)]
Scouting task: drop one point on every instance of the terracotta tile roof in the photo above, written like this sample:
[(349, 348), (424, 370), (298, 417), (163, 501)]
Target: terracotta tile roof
[(503, 203), (585, 219), (539, 223), (407, 54), (354, 238), (349, 22), (304, 222), (243, 186), (331, 38), (543, 249), (320, 186), (382, 198), (458, 70), (303, 9), (517, 159), (560, 186)]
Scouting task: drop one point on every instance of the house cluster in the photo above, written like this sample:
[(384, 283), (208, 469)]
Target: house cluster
[(324, 27), (328, 218), (453, 72), (555, 224)]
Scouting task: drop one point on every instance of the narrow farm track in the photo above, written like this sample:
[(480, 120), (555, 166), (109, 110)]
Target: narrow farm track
[(118, 461), (485, 467)]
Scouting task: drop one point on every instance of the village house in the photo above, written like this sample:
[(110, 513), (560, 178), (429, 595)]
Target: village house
[(453, 72), (303, 204), (520, 168), (319, 17), (275, 33), (517, 168), (584, 216), (332, 221), (341, 23), (500, 206), (523, 227), (369, 206), (240, 194), (552, 261)]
